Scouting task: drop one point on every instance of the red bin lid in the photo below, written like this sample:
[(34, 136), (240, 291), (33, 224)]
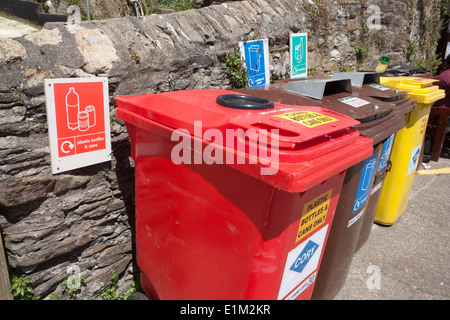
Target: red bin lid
[(309, 139)]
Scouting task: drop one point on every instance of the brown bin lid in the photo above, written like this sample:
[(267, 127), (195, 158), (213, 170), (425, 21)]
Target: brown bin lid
[(368, 84), (404, 106), (382, 128), (380, 92), (378, 121), (336, 97)]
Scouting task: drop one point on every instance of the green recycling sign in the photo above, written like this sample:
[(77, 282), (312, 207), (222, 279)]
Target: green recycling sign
[(299, 55)]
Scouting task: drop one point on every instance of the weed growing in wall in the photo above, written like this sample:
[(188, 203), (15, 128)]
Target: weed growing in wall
[(21, 289), (236, 71), (421, 52), (178, 5), (319, 14)]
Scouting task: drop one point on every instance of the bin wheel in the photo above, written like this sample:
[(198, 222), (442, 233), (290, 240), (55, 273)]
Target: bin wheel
[(137, 296)]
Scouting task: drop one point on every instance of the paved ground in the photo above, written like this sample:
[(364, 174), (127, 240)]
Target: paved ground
[(409, 260)]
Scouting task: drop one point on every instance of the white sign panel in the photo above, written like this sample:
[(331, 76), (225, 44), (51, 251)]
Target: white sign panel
[(78, 122)]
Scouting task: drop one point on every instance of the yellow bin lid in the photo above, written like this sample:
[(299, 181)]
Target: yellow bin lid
[(408, 82), (420, 89), (431, 97)]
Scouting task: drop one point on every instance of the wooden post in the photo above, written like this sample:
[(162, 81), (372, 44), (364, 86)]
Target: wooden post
[(5, 292)]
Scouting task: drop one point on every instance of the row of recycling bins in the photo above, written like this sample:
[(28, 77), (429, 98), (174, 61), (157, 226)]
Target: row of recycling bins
[(267, 192)]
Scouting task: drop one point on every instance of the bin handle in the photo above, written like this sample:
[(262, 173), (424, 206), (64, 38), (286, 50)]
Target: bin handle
[(240, 101), (389, 166)]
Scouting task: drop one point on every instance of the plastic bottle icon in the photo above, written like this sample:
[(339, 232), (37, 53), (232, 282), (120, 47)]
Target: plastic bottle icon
[(299, 52), (72, 108)]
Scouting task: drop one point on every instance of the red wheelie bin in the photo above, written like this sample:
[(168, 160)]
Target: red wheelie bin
[(235, 195)]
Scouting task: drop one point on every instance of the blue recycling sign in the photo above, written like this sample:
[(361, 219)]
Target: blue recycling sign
[(416, 157), (304, 257), (256, 56), (365, 182), (415, 154), (385, 153)]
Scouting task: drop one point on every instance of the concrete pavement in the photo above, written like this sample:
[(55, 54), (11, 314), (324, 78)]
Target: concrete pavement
[(409, 260)]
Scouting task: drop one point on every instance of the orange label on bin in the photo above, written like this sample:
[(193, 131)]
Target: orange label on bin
[(308, 119), (314, 214)]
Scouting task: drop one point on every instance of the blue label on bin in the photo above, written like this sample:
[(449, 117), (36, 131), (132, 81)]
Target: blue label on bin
[(365, 183), (304, 257), (415, 155), (385, 153)]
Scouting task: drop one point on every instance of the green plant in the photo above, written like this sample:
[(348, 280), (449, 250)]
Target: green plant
[(21, 290), (135, 57), (178, 5), (344, 67), (249, 37), (432, 63), (274, 76), (72, 284), (148, 7), (409, 49), (379, 40), (236, 70), (55, 296), (110, 291), (130, 291), (422, 53), (365, 30), (361, 54), (319, 13)]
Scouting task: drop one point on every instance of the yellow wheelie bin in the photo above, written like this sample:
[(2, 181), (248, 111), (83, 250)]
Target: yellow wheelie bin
[(407, 146)]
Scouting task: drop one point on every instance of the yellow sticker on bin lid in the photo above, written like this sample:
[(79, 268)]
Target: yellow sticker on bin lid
[(314, 214), (308, 119)]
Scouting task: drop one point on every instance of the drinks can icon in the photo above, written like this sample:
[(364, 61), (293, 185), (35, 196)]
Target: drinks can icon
[(83, 121), (91, 112)]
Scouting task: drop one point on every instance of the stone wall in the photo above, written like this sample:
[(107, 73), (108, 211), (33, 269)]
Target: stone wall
[(107, 9), (83, 220)]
